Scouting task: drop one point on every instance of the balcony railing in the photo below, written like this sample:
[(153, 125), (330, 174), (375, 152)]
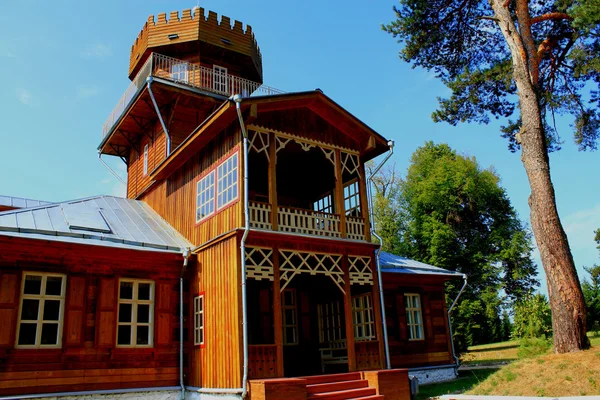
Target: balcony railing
[(307, 222), (183, 72)]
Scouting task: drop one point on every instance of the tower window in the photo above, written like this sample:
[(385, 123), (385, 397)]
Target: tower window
[(220, 79), (179, 72)]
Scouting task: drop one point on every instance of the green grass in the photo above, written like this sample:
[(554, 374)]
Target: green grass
[(466, 380), (494, 353)]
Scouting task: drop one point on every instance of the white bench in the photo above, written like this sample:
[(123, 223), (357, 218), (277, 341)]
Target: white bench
[(336, 352)]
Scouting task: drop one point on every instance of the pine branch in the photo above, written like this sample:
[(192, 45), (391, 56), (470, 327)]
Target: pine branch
[(551, 16)]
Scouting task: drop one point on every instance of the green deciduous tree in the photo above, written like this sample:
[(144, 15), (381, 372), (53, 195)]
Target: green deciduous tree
[(532, 317), (523, 61), (591, 293)]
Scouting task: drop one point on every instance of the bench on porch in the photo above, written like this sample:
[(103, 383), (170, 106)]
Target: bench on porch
[(336, 352)]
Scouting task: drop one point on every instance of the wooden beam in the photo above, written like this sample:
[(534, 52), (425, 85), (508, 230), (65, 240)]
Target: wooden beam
[(277, 317), (273, 179), (377, 312), (348, 315), (364, 199), (339, 192)]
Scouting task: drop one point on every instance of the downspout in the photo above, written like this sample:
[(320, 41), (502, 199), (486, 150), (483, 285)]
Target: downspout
[(110, 169), (238, 99), (149, 81), (186, 256), (372, 228), (464, 276)]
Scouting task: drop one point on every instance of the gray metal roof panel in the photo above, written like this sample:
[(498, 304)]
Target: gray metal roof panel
[(20, 202), (392, 263)]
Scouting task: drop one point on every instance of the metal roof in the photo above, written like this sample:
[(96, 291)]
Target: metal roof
[(391, 263), (100, 220), (20, 202)]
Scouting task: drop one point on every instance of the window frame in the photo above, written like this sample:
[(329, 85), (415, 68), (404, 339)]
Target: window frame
[(235, 171), (224, 73), (284, 322), (410, 326), (145, 169), (179, 70), (40, 315), (362, 305), (324, 204), (134, 301), (352, 197), (202, 327), (212, 172)]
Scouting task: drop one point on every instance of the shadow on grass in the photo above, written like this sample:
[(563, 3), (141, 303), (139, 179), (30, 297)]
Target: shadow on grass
[(488, 361), (514, 346), (465, 381)]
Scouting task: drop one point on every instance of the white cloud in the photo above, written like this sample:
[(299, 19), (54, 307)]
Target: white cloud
[(25, 96), (87, 91), (99, 50)]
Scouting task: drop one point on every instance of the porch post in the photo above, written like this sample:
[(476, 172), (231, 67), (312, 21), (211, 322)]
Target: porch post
[(339, 192), (277, 320), (273, 179), (364, 201), (348, 316), (377, 313)]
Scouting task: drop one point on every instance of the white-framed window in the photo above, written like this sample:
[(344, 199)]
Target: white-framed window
[(41, 310), (227, 181), (363, 317), (352, 198), (324, 204), (414, 317), (136, 313), (146, 160), (220, 79), (205, 196), (289, 307), (179, 72), (331, 327), (199, 319)]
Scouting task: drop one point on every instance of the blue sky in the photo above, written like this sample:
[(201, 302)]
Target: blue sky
[(64, 67)]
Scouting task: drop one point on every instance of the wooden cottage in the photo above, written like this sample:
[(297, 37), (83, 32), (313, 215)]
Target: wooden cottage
[(242, 254)]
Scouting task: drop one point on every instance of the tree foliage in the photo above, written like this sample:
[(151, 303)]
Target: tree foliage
[(591, 293), (532, 318)]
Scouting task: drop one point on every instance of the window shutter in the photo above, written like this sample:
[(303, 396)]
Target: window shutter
[(163, 314), (9, 298), (75, 311), (106, 312)]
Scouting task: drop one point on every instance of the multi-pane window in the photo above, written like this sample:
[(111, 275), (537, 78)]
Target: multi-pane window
[(146, 160), (220, 79), (199, 320), (136, 309), (41, 310), (179, 72), (362, 317), (290, 316), (227, 175), (352, 199), (414, 318), (324, 204), (205, 198), (331, 327)]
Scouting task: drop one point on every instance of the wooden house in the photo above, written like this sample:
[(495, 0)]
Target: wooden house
[(241, 262)]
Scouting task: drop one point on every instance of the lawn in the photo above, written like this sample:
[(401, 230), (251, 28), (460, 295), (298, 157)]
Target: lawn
[(466, 380), (495, 353)]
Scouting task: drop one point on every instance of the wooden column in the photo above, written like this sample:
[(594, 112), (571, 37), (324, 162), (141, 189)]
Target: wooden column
[(364, 201), (273, 179), (339, 192), (277, 318), (348, 316), (377, 313)]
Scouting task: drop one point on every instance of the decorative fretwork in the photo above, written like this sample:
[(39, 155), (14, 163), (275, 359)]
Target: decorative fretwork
[(360, 270), (260, 215), (259, 264), (259, 142), (350, 163), (305, 146), (329, 154), (296, 262), (281, 143), (355, 228), (307, 222)]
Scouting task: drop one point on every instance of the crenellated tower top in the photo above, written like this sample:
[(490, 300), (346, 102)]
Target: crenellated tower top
[(196, 34)]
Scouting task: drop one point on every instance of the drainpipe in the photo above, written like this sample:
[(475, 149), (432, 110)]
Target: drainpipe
[(149, 81), (464, 276), (378, 251), (238, 99), (110, 169), (186, 256)]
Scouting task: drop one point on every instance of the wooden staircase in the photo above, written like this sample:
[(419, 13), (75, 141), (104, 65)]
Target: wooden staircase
[(339, 387)]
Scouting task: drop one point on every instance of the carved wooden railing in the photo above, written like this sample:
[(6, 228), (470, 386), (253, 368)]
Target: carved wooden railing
[(262, 361), (355, 228), (297, 220), (367, 355), (260, 215)]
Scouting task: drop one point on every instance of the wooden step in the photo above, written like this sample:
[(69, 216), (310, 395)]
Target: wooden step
[(374, 397), (317, 379), (335, 386), (344, 394)]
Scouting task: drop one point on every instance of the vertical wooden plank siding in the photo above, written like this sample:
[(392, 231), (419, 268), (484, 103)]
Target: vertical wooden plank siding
[(157, 142), (214, 364), (377, 312), (10, 284), (348, 316)]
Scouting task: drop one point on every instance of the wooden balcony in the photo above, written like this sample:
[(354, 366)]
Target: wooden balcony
[(305, 222), (185, 73)]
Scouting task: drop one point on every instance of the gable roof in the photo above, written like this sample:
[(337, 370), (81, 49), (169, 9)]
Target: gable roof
[(100, 220), (19, 202), (391, 263)]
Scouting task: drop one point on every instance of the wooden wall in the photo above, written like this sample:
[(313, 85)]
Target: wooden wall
[(175, 198), (88, 358), (218, 363), (136, 180), (435, 348)]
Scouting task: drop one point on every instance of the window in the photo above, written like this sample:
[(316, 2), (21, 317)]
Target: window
[(362, 317), (352, 199), (414, 320), (199, 320), (290, 316), (179, 72), (331, 327), (136, 309), (219, 79), (41, 310), (227, 188), (324, 204), (146, 160), (205, 198)]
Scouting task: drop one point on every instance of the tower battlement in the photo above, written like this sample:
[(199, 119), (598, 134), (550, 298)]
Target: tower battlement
[(194, 25)]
